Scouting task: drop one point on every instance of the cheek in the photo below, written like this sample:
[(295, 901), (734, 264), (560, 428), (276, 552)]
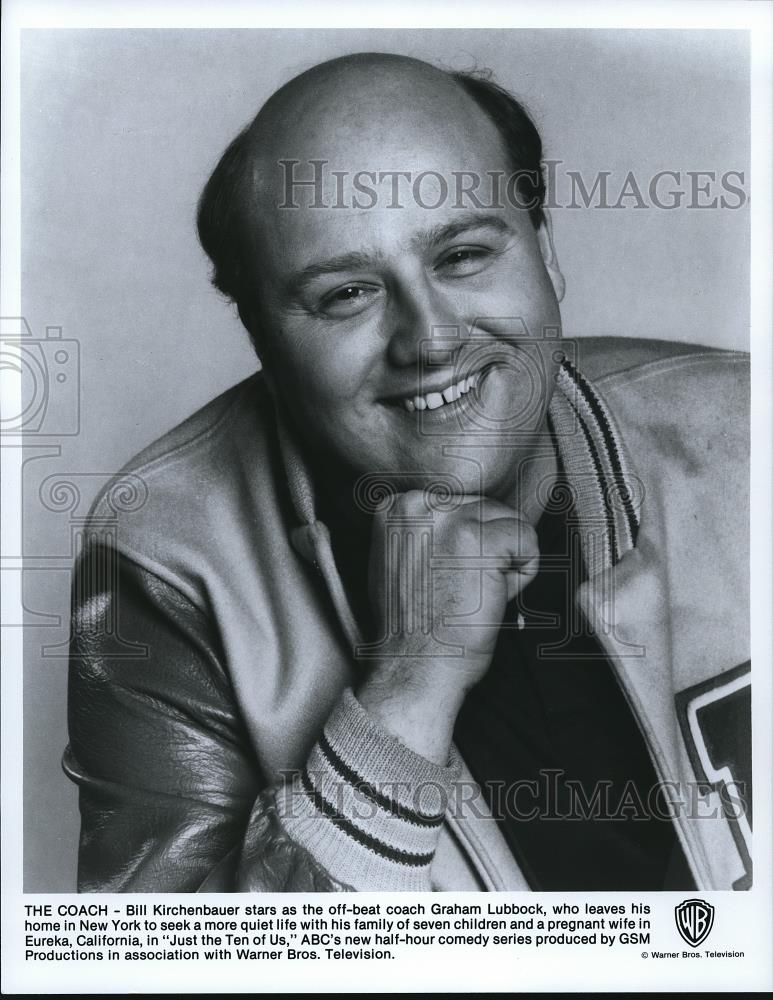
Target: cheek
[(321, 370), (515, 290)]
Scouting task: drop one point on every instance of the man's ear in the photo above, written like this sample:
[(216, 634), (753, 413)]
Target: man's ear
[(545, 237), (249, 317)]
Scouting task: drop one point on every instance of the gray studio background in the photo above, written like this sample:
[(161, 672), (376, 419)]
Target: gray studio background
[(119, 132)]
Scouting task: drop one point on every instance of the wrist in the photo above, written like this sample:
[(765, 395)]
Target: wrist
[(366, 807), (416, 702)]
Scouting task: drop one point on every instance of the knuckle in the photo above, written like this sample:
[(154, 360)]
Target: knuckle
[(465, 532)]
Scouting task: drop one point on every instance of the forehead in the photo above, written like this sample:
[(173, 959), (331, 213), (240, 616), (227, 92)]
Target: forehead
[(357, 166)]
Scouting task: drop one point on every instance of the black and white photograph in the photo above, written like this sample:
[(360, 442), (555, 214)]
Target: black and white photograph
[(392, 515)]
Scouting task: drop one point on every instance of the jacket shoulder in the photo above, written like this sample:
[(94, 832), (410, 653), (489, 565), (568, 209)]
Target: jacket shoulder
[(215, 470), (599, 357), (191, 437)]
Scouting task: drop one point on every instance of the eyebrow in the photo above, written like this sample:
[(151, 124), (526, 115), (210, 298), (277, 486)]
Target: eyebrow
[(470, 220), (362, 260)]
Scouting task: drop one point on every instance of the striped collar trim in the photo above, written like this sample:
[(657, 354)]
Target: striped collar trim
[(606, 493)]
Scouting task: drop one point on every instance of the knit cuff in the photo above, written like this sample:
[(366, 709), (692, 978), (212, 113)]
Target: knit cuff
[(366, 806)]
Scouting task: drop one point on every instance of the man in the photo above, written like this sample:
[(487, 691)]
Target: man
[(437, 600)]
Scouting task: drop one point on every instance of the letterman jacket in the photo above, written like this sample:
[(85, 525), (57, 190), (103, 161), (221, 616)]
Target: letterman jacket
[(215, 734)]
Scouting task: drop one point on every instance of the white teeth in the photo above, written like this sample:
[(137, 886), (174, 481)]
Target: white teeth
[(433, 400)]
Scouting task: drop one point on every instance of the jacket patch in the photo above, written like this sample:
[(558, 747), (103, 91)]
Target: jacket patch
[(716, 722)]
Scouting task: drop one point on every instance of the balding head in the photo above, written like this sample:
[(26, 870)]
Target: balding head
[(344, 104), (367, 82)]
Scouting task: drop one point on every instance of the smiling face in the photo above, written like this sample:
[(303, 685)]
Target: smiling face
[(391, 333)]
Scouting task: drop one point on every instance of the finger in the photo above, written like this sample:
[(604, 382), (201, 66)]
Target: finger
[(515, 543), (510, 537), (487, 508)]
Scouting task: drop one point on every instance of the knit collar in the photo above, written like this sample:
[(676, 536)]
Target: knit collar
[(605, 492)]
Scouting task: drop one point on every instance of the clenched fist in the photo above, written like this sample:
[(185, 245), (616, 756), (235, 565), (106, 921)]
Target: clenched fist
[(439, 582)]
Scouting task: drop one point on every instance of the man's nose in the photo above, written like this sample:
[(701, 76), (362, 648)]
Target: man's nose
[(421, 319)]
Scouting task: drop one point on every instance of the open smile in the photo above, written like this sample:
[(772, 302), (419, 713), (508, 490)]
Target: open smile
[(443, 397), (450, 402)]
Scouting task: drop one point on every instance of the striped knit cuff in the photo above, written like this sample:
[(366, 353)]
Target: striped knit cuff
[(367, 807)]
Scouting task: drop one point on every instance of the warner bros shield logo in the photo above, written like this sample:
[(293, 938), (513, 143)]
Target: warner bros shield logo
[(694, 920)]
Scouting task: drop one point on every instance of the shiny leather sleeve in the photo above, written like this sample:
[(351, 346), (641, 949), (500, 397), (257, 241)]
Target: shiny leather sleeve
[(171, 796)]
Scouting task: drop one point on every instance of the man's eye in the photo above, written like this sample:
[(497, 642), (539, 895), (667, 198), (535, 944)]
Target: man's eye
[(464, 260), (346, 300), (346, 294), (460, 255)]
